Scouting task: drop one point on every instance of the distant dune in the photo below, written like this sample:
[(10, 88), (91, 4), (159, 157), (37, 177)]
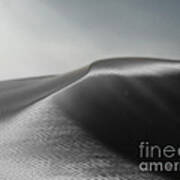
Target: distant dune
[(88, 124)]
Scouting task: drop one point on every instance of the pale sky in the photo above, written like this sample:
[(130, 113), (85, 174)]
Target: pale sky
[(41, 37)]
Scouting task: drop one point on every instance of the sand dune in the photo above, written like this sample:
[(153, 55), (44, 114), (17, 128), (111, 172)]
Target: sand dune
[(87, 124)]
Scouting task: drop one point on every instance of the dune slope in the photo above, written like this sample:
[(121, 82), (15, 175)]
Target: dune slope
[(87, 124)]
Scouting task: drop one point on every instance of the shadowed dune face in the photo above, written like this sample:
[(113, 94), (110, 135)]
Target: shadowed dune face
[(125, 102), (86, 123)]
